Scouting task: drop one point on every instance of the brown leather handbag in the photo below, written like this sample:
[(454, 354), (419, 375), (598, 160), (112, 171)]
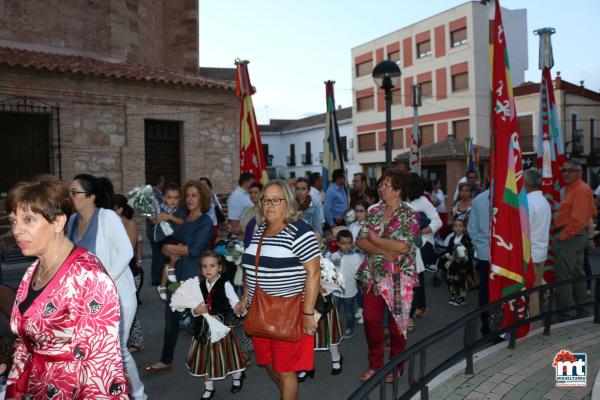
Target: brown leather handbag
[(273, 317)]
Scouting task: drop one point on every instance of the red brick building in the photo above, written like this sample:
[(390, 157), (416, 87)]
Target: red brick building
[(112, 88)]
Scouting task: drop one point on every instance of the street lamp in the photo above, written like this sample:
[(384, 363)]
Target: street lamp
[(386, 75)]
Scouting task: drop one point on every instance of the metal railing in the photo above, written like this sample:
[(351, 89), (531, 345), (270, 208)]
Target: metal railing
[(469, 323)]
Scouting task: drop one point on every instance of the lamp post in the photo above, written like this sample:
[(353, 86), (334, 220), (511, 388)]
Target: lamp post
[(386, 75)]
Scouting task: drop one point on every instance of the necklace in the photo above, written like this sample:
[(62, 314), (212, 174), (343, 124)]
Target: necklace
[(48, 270)]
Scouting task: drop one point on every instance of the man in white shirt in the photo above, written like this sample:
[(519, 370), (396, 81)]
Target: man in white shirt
[(238, 202), (540, 215), (316, 188)]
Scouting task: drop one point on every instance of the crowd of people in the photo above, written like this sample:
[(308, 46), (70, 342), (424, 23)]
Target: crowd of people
[(75, 319)]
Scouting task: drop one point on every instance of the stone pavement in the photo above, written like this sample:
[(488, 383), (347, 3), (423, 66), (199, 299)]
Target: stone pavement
[(525, 372)]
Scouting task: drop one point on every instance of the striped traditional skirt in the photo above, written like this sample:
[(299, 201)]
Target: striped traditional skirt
[(215, 360), (329, 331)]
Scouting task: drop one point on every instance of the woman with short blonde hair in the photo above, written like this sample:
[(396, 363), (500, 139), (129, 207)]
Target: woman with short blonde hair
[(288, 264)]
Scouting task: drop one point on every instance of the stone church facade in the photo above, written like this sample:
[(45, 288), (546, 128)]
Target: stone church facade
[(112, 88)]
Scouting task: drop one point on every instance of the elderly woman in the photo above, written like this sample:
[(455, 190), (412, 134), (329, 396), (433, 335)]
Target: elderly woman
[(102, 232), (195, 236), (312, 213), (388, 275), (288, 265), (66, 316)]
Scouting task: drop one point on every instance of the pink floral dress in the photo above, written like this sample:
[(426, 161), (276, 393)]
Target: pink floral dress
[(67, 343), (392, 279)]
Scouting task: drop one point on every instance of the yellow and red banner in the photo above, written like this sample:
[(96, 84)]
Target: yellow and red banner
[(252, 157), (511, 268)]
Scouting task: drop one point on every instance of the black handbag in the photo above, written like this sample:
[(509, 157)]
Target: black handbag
[(324, 304)]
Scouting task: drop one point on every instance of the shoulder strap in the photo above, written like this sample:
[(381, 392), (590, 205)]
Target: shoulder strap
[(257, 258)]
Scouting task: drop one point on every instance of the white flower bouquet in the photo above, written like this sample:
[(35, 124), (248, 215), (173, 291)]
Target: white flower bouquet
[(189, 295), (350, 217), (142, 200), (233, 253), (331, 276), (460, 252)]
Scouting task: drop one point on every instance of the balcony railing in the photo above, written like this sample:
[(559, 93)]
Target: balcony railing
[(291, 161), (306, 159)]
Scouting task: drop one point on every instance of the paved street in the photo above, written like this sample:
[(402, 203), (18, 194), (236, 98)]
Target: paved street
[(179, 384)]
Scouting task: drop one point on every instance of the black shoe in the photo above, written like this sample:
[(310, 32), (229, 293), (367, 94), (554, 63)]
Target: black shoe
[(310, 373), (337, 371), (212, 394), (237, 388)]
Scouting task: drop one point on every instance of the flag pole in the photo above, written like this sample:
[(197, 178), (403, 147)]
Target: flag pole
[(415, 149), (550, 151)]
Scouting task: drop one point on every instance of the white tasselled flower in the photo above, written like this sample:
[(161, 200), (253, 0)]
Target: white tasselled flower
[(331, 277)]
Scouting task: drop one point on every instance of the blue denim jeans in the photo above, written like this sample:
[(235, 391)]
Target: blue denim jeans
[(346, 306)]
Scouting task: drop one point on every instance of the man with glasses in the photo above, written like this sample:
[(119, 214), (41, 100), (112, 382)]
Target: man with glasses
[(576, 210)]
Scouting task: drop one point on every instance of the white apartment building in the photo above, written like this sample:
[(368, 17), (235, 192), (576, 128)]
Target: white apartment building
[(294, 148), (448, 55)]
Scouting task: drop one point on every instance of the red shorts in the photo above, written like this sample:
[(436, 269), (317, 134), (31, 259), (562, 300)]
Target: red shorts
[(285, 356)]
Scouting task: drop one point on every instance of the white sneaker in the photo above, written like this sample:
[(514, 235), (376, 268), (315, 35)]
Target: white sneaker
[(162, 292), (359, 313), (360, 320)]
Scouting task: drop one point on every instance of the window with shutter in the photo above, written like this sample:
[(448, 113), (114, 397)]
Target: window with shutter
[(426, 134), (366, 142), (458, 37), (424, 49), (365, 103), (460, 81), (460, 129)]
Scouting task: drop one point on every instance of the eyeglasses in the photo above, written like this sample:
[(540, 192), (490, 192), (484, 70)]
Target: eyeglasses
[(274, 201), (356, 210), (74, 193), (384, 186)]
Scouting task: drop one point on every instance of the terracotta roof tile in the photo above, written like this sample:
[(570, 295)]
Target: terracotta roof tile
[(277, 125), (88, 66), (447, 149)]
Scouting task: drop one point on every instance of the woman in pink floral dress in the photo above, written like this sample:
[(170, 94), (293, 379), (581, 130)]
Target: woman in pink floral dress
[(388, 273), (66, 313)]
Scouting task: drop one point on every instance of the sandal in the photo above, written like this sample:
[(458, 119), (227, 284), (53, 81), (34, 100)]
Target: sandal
[(367, 375), (170, 271), (411, 325), (134, 349), (157, 369), (162, 292), (420, 312)]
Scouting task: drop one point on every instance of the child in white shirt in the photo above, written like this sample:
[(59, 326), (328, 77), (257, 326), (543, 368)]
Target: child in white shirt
[(348, 261)]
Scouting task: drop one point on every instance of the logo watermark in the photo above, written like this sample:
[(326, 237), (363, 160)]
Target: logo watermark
[(571, 368)]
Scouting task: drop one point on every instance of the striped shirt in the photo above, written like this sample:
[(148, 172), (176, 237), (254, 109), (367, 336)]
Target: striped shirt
[(281, 271)]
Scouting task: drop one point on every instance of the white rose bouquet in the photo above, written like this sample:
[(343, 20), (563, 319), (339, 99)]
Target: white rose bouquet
[(142, 200), (233, 253), (331, 276)]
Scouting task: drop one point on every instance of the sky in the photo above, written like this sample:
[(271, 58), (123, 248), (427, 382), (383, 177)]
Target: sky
[(294, 46)]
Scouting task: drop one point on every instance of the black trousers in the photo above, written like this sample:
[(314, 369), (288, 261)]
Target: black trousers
[(483, 267), (419, 300), (171, 332)]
